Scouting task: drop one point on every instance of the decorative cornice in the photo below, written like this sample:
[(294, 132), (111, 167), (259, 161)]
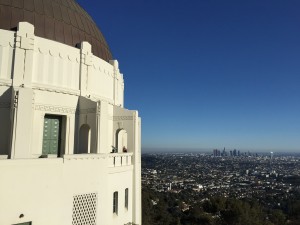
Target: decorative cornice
[(88, 156), (56, 109), (58, 53), (61, 109), (6, 82), (120, 118), (113, 155), (42, 87)]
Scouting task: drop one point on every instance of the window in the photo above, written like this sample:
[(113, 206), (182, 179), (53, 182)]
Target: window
[(52, 135), (115, 203), (126, 198)]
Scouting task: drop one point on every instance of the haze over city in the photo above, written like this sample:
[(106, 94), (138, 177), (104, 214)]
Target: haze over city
[(208, 74)]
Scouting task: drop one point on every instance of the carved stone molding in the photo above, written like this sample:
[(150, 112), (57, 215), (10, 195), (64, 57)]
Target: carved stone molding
[(56, 109), (42, 87), (5, 82), (44, 50), (87, 111), (87, 156), (98, 108), (16, 99), (120, 118)]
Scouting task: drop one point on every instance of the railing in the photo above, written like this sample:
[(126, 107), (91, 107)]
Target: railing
[(114, 159), (119, 159)]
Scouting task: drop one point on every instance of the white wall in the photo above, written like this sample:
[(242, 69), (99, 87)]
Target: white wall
[(43, 189), (124, 181), (55, 64)]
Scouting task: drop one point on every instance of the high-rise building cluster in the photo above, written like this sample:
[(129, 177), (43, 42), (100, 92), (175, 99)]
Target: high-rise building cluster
[(231, 153)]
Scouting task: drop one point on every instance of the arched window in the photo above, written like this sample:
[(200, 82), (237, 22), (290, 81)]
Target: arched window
[(122, 140), (84, 139)]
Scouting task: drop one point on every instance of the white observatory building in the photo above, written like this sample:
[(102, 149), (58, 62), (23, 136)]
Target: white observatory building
[(70, 153)]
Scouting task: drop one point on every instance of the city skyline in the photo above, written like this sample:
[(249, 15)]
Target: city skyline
[(209, 74)]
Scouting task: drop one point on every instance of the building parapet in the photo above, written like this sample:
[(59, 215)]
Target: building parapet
[(119, 159), (114, 159)]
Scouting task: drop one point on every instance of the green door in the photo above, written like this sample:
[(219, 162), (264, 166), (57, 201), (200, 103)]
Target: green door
[(51, 138)]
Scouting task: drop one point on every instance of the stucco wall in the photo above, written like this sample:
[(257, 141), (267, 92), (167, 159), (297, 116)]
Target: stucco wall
[(43, 189)]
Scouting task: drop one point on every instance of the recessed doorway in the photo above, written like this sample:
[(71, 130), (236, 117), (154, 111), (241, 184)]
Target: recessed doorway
[(52, 135)]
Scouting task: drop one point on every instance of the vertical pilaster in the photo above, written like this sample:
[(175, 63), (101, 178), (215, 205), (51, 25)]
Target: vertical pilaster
[(118, 93), (69, 140), (22, 94), (102, 127), (137, 195), (122, 92), (22, 123), (23, 56), (86, 60), (139, 173)]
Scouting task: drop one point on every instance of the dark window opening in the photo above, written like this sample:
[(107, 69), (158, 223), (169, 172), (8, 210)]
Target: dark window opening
[(126, 198), (115, 202)]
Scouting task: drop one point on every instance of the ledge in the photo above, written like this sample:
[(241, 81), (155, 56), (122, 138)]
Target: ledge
[(96, 156), (120, 154), (113, 159), (5, 82), (85, 156), (3, 157)]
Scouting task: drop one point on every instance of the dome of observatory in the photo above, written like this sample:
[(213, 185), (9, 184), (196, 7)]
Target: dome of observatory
[(63, 21)]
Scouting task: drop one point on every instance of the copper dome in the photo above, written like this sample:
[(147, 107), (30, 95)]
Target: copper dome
[(59, 20)]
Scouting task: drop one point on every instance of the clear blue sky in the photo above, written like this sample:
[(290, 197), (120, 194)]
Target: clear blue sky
[(208, 74)]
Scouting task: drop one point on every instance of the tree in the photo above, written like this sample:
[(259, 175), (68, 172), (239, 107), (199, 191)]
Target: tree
[(278, 217)]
